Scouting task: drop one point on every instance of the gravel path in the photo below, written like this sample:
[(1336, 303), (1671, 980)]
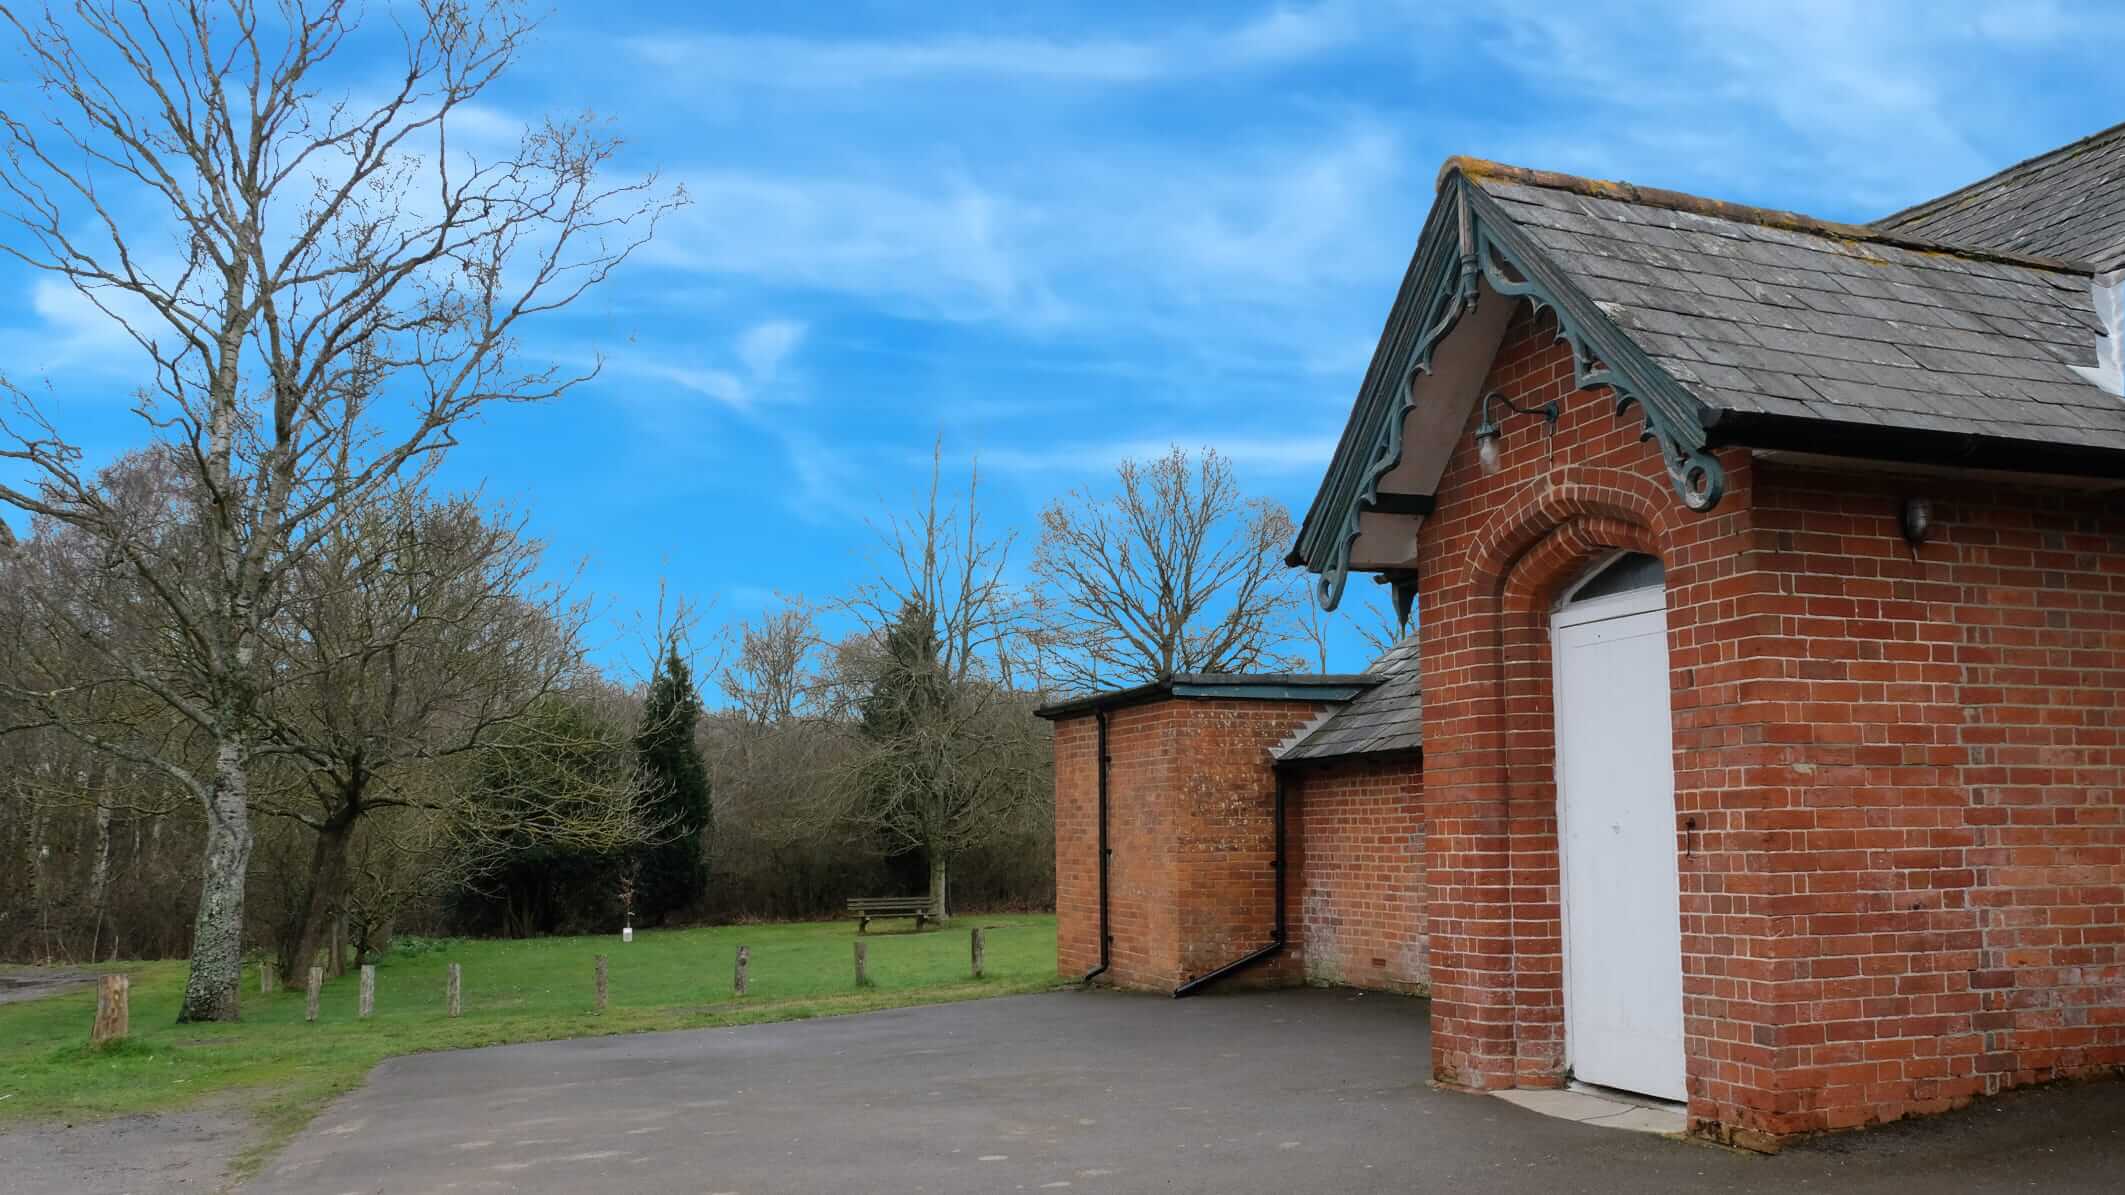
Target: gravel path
[(131, 1155), (35, 983)]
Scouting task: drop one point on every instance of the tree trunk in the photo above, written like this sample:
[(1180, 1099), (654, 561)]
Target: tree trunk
[(328, 890), (938, 884), (112, 1016), (39, 897), (213, 987), (100, 875)]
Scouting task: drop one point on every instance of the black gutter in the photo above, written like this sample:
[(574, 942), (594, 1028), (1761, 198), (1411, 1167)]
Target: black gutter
[(1279, 686), (1961, 450), (1276, 940), (1106, 939), (1302, 763)]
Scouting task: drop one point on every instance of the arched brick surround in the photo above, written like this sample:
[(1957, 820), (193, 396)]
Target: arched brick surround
[(1525, 591), (1527, 553)]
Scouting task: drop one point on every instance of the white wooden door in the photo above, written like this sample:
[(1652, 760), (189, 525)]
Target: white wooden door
[(1616, 826)]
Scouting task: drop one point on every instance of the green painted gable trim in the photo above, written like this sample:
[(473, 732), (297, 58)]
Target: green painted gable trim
[(1467, 239)]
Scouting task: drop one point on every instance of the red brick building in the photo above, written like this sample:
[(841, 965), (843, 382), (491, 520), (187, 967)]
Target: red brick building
[(1222, 793), (1770, 583)]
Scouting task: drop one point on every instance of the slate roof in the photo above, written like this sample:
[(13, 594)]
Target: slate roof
[(1771, 314), (1387, 718), (2067, 203)]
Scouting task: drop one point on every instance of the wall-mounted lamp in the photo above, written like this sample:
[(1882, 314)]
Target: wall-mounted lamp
[(1917, 521), (1487, 432)]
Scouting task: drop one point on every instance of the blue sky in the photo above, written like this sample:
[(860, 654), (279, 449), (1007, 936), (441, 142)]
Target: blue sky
[(1054, 237)]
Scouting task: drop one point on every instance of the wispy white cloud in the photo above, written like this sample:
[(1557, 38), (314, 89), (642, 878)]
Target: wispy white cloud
[(1248, 248), (1861, 108), (745, 598), (2035, 22), (792, 62), (763, 346), (80, 327), (719, 384), (759, 353), (1249, 453), (823, 482), (1279, 35), (941, 246), (1299, 214), (65, 332)]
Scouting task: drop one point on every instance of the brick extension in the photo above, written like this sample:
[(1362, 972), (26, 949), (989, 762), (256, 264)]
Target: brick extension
[(1191, 791), (1190, 797)]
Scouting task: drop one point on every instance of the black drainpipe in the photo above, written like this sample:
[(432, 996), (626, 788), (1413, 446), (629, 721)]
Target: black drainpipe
[(1276, 937), (1106, 939)]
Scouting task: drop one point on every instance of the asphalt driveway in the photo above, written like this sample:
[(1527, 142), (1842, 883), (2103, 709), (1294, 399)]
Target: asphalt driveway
[(1276, 1092)]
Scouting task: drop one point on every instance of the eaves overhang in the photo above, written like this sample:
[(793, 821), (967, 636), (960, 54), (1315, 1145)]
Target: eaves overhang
[(1470, 246), (1322, 687), (1411, 756)]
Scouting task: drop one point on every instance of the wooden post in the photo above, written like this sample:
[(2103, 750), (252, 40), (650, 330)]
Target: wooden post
[(368, 998), (863, 950), (737, 983), (451, 992), (601, 983), (112, 1014), (978, 944), (317, 982)]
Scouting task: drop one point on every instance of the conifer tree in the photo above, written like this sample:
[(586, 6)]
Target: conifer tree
[(673, 874)]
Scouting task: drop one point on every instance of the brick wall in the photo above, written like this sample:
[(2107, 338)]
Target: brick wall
[(1940, 831), (1142, 917), (1076, 846), (1355, 853), (1897, 775), (1190, 821)]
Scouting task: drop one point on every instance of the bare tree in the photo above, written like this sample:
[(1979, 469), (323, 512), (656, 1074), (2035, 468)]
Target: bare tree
[(774, 752), (1312, 632), (772, 676), (946, 751), (1373, 615), (942, 560), (1173, 572), (1369, 615), (413, 633), (63, 800), (323, 288)]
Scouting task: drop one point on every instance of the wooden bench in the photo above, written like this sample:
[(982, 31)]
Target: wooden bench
[(867, 907)]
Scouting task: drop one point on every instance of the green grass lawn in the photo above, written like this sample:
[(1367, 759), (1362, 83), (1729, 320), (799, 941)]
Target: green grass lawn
[(513, 991)]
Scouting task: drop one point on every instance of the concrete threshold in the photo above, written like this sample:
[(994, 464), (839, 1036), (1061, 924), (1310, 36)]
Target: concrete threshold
[(1602, 1107)]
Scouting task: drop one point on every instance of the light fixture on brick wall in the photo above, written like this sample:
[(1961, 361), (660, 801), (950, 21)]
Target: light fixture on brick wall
[(1488, 432), (1917, 520)]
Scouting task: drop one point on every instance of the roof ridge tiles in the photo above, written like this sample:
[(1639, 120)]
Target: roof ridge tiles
[(1481, 169)]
